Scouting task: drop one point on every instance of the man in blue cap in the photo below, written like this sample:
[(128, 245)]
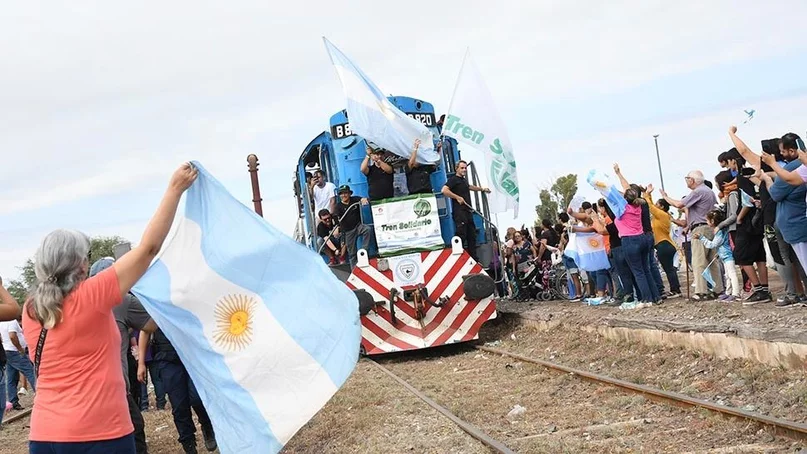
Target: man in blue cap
[(129, 314)]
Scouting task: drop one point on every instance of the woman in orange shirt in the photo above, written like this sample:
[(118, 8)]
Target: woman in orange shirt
[(81, 404)]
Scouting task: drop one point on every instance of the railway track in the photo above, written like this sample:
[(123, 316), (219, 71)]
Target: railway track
[(469, 428), (21, 415), (791, 429), (572, 409)]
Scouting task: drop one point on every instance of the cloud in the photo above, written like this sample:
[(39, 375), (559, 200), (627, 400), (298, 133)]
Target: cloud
[(684, 145), (109, 98)]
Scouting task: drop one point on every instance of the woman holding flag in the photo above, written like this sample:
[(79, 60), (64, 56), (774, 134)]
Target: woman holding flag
[(637, 250), (81, 403)]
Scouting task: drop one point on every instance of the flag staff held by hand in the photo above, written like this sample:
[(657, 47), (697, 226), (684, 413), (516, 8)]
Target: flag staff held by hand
[(658, 159)]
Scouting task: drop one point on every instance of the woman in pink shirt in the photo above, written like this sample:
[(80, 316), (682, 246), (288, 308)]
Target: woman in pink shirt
[(80, 404), (636, 249)]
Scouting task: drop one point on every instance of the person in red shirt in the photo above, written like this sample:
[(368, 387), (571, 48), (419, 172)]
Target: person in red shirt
[(81, 403)]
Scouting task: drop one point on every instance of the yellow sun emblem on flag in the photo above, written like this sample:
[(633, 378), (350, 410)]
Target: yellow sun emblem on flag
[(234, 315), (593, 243)]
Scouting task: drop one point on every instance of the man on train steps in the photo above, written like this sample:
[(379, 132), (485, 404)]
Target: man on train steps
[(459, 191)]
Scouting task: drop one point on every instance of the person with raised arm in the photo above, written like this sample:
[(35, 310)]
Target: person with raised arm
[(418, 176), (380, 175), (781, 208), (81, 397), (700, 201)]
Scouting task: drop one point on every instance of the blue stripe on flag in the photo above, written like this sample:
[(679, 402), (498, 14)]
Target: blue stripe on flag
[(373, 117), (603, 184)]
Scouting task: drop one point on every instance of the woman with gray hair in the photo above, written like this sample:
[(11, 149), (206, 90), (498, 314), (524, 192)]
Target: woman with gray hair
[(81, 403)]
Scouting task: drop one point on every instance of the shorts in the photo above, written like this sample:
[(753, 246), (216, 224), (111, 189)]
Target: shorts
[(748, 248), (570, 266)]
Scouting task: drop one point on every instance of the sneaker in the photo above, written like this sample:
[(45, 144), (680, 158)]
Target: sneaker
[(704, 296), (674, 294), (594, 301), (210, 439), (189, 447), (729, 299), (786, 301), (759, 296), (628, 299), (724, 297)]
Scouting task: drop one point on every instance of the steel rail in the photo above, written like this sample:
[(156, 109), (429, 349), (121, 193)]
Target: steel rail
[(20, 415), (791, 429), (467, 427)]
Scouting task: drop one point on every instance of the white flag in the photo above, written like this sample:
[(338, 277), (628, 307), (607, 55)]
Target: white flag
[(473, 120), (374, 118)]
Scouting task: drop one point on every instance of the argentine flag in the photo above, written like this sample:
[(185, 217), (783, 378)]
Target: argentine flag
[(267, 333), (588, 251), (603, 184), (374, 118)]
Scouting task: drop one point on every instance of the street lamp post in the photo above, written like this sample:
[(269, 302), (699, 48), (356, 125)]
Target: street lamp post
[(658, 159)]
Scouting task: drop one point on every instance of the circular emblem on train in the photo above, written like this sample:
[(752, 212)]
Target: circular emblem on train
[(234, 319), (422, 208), (407, 268), (593, 243)]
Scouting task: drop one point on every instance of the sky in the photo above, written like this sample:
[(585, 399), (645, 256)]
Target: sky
[(102, 101)]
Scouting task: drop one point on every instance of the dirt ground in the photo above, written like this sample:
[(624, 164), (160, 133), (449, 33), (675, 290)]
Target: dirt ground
[(370, 414), (373, 414), (564, 414), (749, 385)]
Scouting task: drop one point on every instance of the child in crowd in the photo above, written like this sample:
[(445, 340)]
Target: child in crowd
[(721, 243)]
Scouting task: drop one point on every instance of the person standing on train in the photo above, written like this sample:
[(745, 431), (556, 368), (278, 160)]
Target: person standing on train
[(459, 191), (418, 176), (323, 192), (379, 175), (348, 220)]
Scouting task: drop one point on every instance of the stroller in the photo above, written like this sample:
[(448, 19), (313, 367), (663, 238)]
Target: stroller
[(541, 280)]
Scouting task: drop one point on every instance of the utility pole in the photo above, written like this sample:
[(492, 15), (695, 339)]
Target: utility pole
[(252, 160), (658, 159)]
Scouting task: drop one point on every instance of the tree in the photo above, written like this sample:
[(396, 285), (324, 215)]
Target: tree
[(100, 246), (548, 209), (103, 246), (557, 197)]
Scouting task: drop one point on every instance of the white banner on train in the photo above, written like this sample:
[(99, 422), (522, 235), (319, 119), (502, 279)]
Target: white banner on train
[(407, 224), (472, 119)]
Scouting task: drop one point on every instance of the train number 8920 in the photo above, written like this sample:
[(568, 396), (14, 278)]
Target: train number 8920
[(343, 130)]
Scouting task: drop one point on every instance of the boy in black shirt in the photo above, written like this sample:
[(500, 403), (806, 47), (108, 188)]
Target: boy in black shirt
[(459, 191)]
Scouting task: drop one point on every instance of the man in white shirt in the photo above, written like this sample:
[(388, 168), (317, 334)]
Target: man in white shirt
[(324, 194), (17, 360)]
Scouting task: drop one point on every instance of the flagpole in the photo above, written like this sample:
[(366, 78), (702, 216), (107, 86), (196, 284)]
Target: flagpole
[(454, 92)]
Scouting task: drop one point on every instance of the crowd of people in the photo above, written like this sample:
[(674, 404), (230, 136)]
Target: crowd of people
[(82, 340), (728, 233), (339, 223)]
